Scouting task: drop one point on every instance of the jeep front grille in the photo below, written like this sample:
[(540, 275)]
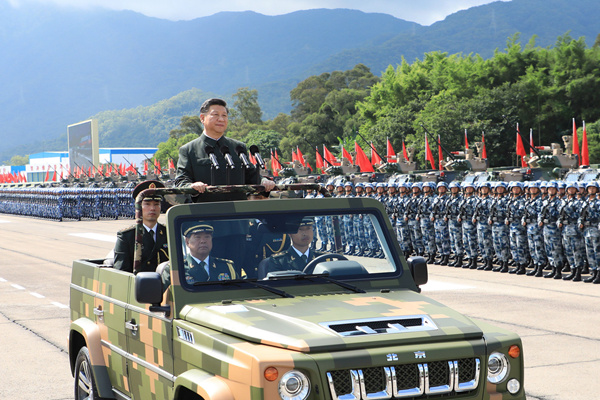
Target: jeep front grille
[(375, 326), (405, 381)]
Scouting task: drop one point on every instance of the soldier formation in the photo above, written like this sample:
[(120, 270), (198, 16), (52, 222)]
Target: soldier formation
[(521, 228)]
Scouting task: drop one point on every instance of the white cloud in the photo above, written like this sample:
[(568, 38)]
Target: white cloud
[(424, 12)]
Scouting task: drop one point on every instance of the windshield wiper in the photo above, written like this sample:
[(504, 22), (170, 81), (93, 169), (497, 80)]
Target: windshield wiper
[(252, 283), (325, 277)]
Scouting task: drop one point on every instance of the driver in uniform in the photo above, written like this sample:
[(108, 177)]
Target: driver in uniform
[(297, 255)]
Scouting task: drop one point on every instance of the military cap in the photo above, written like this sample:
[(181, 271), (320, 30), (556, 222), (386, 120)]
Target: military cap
[(360, 184), (593, 183), (369, 185), (454, 184), (148, 185), (561, 185), (485, 184), (552, 184), (442, 184), (468, 184), (380, 184), (190, 228), (307, 221), (348, 184)]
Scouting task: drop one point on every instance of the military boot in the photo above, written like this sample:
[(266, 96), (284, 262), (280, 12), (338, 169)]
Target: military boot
[(458, 262), (504, 267), (533, 271), (499, 267), (468, 265), (558, 273), (592, 277), (540, 271), (483, 265), (350, 250), (597, 279), (489, 265), (359, 252), (444, 260), (586, 268), (473, 263), (572, 275), (551, 273), (522, 270)]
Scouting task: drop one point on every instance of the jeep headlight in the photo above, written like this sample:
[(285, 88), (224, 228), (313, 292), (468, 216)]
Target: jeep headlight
[(498, 368), (294, 385)]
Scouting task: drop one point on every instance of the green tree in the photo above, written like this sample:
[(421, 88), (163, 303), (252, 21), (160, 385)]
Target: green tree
[(18, 160)]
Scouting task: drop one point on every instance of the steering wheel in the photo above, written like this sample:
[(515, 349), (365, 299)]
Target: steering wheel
[(310, 267)]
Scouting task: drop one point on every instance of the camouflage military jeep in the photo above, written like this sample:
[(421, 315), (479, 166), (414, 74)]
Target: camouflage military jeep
[(346, 327)]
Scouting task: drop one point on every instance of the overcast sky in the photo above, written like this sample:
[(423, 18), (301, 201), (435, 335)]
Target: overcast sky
[(424, 12)]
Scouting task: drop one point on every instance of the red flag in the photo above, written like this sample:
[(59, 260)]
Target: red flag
[(361, 159), (171, 164), (300, 156), (252, 159), (585, 157), (347, 155), (520, 149), (483, 151), (329, 156), (307, 165), (47, 175), (404, 153), (440, 154), (391, 154), (53, 176), (375, 159), (319, 159), (145, 167), (294, 157), (428, 153), (466, 141), (156, 166), (575, 142)]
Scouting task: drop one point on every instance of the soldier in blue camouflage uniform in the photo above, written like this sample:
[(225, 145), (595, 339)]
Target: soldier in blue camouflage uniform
[(469, 228), (518, 233), (567, 221), (589, 220), (535, 238), (440, 223), (424, 218), (454, 226), (500, 231), (349, 233), (547, 219), (484, 229), (402, 230), (410, 216)]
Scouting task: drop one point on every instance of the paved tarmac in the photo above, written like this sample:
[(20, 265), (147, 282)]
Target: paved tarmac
[(558, 321)]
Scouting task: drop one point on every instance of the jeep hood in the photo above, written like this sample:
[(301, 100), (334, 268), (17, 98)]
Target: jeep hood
[(336, 321)]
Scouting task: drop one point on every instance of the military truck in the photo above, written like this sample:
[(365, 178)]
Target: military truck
[(342, 327)]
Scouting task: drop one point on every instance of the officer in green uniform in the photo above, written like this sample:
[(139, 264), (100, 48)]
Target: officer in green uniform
[(296, 256), (200, 266), (154, 241)]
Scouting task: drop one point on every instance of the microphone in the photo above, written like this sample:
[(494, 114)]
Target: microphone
[(211, 154), (254, 151), (227, 155), (241, 152)]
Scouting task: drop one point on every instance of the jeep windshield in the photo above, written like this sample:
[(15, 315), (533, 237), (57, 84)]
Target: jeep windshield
[(268, 247)]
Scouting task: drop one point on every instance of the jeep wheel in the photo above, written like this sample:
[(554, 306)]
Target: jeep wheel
[(85, 386)]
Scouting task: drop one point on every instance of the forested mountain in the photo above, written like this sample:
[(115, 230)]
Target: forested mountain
[(60, 65)]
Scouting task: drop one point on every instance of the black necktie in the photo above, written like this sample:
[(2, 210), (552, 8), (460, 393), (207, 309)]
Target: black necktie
[(304, 259)]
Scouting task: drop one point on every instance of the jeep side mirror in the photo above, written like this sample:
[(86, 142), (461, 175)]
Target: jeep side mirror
[(418, 270), (149, 290)]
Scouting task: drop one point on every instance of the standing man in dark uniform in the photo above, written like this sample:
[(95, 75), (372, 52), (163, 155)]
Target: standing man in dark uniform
[(195, 167), (296, 256), (154, 242)]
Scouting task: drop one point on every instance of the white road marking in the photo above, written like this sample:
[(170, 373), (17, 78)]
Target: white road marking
[(59, 305), (433, 285), (3, 221), (18, 287), (3, 280), (96, 236), (39, 296)]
